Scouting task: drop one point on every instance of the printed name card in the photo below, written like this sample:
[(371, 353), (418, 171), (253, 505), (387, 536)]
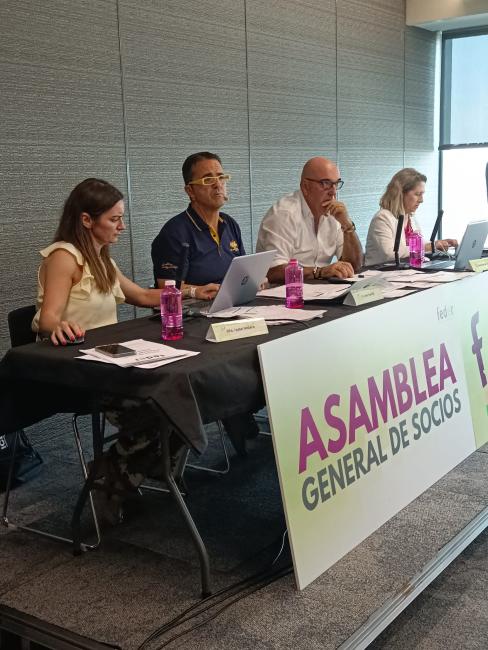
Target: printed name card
[(236, 329), (363, 295), (480, 265)]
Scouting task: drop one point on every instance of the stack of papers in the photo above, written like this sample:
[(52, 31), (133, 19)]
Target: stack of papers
[(310, 291), (330, 291), (272, 314), (419, 279), (146, 355)]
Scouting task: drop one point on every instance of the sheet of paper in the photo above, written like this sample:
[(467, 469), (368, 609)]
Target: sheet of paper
[(398, 293), (146, 355), (403, 276), (273, 314), (444, 276), (310, 291)]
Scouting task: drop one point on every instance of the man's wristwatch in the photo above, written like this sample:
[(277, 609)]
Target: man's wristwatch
[(316, 273), (350, 228)]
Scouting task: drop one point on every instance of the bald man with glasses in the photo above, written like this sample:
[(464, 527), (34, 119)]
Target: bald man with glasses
[(312, 226)]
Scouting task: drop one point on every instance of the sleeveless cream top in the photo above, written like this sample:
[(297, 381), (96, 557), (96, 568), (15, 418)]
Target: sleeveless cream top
[(86, 305)]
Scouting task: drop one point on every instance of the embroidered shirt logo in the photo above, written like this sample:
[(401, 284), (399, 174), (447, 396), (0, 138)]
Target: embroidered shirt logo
[(234, 246)]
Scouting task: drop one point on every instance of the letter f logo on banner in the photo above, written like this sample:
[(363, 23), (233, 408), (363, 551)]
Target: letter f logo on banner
[(476, 347)]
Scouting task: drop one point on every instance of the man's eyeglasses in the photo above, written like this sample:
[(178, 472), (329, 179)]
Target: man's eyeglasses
[(326, 184), (211, 180)]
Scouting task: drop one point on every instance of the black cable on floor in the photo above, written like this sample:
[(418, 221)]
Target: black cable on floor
[(262, 577), (260, 585)]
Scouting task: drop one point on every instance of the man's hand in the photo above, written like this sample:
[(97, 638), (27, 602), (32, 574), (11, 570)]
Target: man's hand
[(445, 244), (336, 270), (207, 291), (339, 211)]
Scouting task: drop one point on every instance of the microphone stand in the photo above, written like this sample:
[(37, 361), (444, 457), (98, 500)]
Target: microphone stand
[(433, 253), (393, 266)]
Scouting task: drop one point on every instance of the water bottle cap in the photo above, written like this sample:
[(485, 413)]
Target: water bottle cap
[(170, 283), (293, 261)]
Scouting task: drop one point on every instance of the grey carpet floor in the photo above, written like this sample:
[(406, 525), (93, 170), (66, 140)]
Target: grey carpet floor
[(146, 571)]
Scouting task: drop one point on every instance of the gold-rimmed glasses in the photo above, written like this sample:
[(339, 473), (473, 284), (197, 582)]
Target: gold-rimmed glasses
[(211, 180)]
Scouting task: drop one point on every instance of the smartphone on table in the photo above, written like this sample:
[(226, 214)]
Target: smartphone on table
[(115, 350)]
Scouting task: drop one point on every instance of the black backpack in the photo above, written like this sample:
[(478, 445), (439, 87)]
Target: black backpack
[(27, 460)]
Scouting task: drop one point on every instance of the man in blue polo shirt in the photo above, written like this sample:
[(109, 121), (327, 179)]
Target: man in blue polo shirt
[(214, 238)]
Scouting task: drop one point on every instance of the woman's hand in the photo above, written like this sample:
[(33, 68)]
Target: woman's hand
[(207, 291), (66, 331)]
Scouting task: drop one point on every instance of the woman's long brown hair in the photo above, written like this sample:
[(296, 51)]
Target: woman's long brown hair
[(93, 196)]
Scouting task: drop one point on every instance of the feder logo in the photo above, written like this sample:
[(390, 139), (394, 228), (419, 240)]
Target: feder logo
[(476, 347)]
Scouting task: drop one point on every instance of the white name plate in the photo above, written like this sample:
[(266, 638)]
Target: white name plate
[(480, 265), (357, 297), (236, 329)]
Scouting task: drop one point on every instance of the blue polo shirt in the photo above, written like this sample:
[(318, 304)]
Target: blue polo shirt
[(209, 261)]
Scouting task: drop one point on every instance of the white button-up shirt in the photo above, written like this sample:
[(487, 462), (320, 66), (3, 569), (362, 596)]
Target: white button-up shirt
[(289, 227)]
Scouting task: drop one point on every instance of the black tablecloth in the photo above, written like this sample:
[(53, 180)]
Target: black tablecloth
[(39, 379)]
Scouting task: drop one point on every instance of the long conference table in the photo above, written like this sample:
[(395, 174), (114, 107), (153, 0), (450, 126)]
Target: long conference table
[(39, 380)]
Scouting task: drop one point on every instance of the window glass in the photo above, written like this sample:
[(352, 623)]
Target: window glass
[(464, 192), (464, 131), (466, 93)]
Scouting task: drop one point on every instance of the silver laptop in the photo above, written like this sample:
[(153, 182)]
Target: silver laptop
[(240, 284), (470, 248)]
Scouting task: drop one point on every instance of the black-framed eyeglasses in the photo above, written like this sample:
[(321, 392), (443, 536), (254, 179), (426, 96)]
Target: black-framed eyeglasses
[(326, 184)]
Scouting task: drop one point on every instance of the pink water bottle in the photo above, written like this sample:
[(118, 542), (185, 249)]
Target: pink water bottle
[(416, 249), (171, 312), (294, 285)]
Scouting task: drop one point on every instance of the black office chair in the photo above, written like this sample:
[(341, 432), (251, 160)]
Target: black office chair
[(19, 325)]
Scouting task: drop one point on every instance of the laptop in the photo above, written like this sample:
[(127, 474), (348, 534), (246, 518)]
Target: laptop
[(470, 248), (240, 284)]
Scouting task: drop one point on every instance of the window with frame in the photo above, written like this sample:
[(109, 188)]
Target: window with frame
[(464, 129)]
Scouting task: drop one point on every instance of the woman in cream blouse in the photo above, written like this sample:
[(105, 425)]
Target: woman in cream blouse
[(403, 195)]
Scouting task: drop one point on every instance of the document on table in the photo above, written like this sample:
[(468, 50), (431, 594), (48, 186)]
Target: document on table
[(330, 291), (417, 278), (273, 314), (310, 291), (398, 292), (442, 276), (146, 355)]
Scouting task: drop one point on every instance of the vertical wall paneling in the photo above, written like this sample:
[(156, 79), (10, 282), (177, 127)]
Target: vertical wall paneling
[(370, 72), (185, 91), (421, 131), (292, 93)]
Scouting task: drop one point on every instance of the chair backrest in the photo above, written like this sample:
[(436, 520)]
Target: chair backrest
[(19, 325)]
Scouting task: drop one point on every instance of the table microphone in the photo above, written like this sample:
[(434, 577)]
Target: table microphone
[(398, 235), (391, 266), (435, 230), (184, 264)]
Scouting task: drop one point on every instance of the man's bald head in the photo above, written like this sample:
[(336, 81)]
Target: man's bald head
[(319, 168), (315, 190)]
